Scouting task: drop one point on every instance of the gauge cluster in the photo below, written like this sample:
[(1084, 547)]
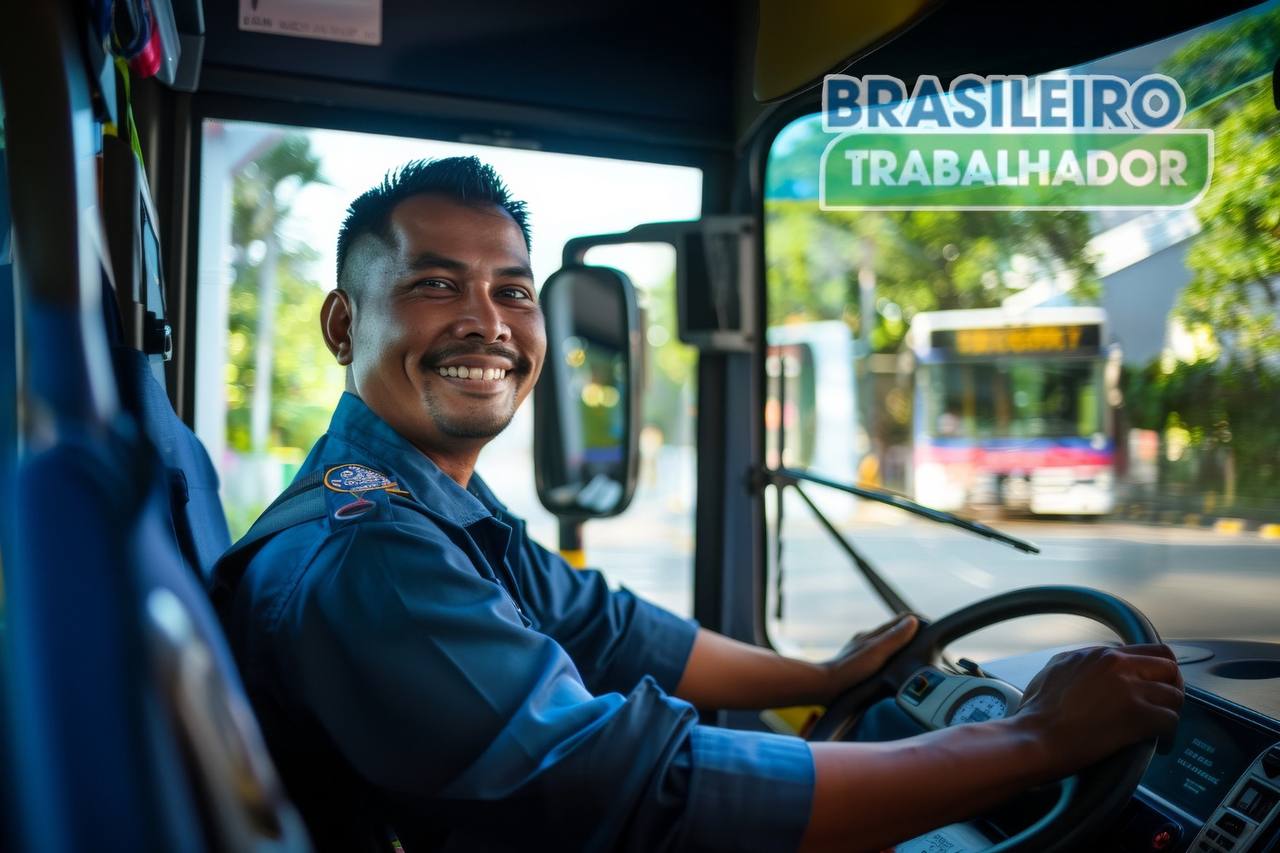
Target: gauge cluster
[(978, 707), (938, 699)]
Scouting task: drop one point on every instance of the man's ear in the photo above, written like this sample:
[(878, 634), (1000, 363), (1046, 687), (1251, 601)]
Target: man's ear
[(335, 323)]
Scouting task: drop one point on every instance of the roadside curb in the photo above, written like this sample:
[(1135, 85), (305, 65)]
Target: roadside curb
[(1220, 524)]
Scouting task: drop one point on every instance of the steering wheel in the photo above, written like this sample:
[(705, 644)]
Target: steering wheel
[(934, 699)]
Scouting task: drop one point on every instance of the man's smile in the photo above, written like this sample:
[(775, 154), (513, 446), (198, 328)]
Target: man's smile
[(479, 374), (482, 371), (474, 372)]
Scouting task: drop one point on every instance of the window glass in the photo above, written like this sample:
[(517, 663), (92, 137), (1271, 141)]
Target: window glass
[(1012, 399), (272, 199), (1124, 419), (651, 544)]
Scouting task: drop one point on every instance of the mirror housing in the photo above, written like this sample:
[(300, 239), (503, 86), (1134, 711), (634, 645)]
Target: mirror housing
[(716, 276), (586, 405)]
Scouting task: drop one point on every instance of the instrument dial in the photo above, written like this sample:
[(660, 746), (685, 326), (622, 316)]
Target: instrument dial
[(978, 707)]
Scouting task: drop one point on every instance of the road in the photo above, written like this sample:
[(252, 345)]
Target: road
[(1190, 582)]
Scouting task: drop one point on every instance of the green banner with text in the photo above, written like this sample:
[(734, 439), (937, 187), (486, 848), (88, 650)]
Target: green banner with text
[(1082, 169)]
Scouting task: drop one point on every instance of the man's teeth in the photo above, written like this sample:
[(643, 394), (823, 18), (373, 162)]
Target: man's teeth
[(489, 374)]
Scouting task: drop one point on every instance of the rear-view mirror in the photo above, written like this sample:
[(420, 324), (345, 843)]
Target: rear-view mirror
[(586, 404)]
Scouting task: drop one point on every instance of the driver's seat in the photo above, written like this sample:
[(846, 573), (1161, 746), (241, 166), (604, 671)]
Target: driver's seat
[(130, 729)]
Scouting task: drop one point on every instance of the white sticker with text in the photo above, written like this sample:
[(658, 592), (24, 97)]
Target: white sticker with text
[(355, 21)]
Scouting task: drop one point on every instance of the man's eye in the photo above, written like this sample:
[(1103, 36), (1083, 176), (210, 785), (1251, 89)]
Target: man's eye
[(434, 284), (514, 293)]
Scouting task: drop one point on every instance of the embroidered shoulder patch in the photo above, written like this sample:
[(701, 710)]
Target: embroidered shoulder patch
[(358, 478)]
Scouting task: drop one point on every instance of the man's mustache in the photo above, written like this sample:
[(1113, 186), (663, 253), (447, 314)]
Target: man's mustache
[(522, 364)]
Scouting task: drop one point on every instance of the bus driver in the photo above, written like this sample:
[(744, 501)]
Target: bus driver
[(418, 663)]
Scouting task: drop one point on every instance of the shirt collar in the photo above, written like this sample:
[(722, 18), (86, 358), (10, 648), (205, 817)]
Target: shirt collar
[(355, 425)]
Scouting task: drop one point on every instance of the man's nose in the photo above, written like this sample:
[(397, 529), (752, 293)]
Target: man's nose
[(481, 317)]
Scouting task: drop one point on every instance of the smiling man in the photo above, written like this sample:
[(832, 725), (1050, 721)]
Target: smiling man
[(450, 330), (428, 676)]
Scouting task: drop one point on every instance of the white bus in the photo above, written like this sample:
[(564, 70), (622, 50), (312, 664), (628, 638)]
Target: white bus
[(1011, 410)]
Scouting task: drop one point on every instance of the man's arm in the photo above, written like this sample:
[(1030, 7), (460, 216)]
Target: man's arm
[(422, 677), (615, 638), (724, 673), (1084, 706)]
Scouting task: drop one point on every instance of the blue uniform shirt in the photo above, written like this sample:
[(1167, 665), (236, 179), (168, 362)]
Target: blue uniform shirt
[(426, 666)]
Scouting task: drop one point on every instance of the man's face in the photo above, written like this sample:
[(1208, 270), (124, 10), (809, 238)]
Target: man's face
[(447, 338)]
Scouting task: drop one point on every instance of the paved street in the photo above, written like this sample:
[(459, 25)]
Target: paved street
[(1190, 582)]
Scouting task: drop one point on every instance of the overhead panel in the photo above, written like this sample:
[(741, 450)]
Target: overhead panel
[(799, 43)]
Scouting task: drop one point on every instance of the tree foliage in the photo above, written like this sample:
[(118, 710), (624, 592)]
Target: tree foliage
[(1222, 396), (1217, 62), (1235, 260), (264, 189), (305, 381), (1226, 396), (923, 260)]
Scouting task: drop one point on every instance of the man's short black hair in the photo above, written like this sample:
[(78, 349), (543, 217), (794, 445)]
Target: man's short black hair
[(463, 179)]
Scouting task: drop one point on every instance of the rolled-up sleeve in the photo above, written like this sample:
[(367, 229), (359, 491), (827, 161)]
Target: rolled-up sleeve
[(748, 790), (423, 677)]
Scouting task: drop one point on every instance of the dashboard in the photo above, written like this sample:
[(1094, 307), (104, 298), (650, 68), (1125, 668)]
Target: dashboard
[(1218, 785), (1214, 787)]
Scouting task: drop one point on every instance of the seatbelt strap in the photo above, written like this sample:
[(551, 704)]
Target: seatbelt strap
[(303, 501)]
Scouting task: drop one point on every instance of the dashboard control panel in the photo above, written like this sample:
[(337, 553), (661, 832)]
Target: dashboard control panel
[(1249, 808), (1215, 789)]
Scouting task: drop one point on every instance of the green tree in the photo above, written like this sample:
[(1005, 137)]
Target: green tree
[(262, 195), (1235, 259), (1220, 61), (923, 260), (670, 365), (281, 380), (1223, 397)]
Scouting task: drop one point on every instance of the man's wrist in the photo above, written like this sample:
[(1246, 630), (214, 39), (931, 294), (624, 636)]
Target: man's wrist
[(827, 682), (1033, 733), (811, 682)]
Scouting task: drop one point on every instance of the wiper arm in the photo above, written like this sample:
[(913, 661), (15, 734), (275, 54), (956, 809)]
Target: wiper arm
[(883, 588), (790, 477)]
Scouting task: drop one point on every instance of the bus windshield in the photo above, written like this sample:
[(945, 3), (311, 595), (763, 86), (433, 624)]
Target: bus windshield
[(1022, 398), (1100, 381)]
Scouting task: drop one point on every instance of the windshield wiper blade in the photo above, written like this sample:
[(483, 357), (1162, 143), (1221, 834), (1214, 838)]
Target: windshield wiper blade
[(882, 587), (790, 476)]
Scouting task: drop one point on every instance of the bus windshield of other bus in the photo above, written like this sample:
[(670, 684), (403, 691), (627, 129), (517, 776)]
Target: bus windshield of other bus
[(1011, 410)]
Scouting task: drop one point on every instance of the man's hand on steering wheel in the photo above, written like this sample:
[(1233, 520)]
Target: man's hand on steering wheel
[(868, 651), (1090, 702), (1093, 714)]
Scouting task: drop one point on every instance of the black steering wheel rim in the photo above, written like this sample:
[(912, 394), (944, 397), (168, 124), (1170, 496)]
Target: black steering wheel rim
[(1091, 797)]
